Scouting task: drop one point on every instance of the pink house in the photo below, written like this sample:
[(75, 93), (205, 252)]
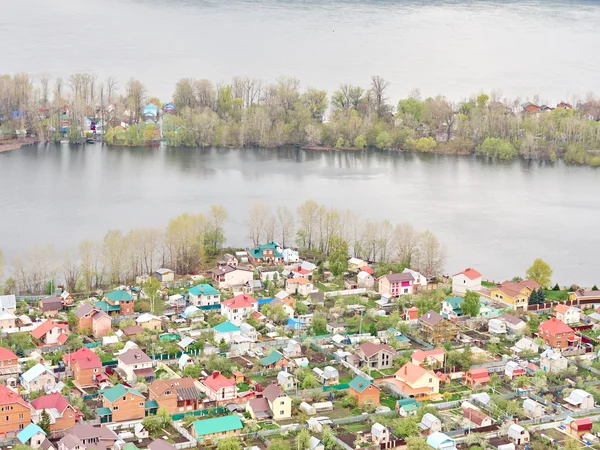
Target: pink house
[(396, 284), (219, 388)]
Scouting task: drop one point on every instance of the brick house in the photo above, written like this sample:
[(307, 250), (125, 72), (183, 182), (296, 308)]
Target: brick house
[(135, 363), (376, 356), (50, 306), (120, 404), (364, 391), (557, 334), (219, 388), (117, 302), (85, 365), (15, 413), (395, 284), (50, 333), (417, 382), (176, 395), (94, 320), (9, 363), (62, 414)]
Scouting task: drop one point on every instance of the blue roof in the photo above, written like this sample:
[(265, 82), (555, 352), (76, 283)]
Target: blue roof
[(359, 383), (190, 311), (262, 301), (226, 327), (436, 440), (30, 430), (203, 289), (35, 372)]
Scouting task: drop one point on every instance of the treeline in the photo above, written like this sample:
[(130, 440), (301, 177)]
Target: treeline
[(191, 241), (249, 112)]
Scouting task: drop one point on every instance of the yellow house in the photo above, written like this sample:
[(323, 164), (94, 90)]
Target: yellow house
[(274, 403), (417, 382), (149, 322), (515, 294)]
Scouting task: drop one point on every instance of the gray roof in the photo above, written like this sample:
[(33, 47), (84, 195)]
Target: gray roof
[(51, 303), (8, 302), (399, 277), (134, 356), (84, 310), (159, 444), (188, 393), (513, 320), (271, 392), (431, 318)]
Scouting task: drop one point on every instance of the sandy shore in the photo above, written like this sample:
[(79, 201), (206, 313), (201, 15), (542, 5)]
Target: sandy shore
[(14, 144)]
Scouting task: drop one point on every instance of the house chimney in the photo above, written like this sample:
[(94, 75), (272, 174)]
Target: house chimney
[(390, 271)]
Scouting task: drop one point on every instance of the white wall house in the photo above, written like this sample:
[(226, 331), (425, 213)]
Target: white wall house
[(204, 295), (467, 280), (420, 279)]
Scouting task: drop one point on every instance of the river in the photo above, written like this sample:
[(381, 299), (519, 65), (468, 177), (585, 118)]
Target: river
[(494, 216), (452, 47)]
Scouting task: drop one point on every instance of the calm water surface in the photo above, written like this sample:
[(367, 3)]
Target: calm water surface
[(496, 217), (456, 48)]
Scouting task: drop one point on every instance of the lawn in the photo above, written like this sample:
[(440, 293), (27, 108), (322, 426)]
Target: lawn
[(556, 296), (488, 284), (346, 379), (388, 400), (325, 288), (267, 426), (243, 387)]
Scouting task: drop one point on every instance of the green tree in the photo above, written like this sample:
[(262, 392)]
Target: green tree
[(45, 422), (20, 341), (319, 324), (533, 298), (328, 438), (384, 140), (470, 305), (152, 290), (416, 443), (230, 443), (72, 320), (279, 444), (406, 427), (74, 342), (276, 313), (159, 422), (309, 381), (540, 271), (338, 255), (302, 440), (360, 141)]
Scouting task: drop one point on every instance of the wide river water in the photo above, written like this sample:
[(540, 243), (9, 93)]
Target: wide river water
[(496, 217), (452, 47)]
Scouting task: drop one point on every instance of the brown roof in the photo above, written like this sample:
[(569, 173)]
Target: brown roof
[(84, 310), (431, 318), (398, 277), (259, 405), (513, 320), (271, 392), (51, 304), (160, 386), (410, 373), (133, 330), (475, 416), (99, 315), (582, 293), (134, 356), (159, 444), (513, 289), (370, 349)]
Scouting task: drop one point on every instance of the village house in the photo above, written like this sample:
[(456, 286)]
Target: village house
[(9, 363), (477, 418), (578, 427), (238, 308), (411, 315), (512, 370), (252, 286), (50, 306), (578, 295), (497, 326), (218, 427), (354, 264), (290, 256), (120, 404), (433, 359), (32, 436), (580, 399), (467, 280), (328, 376), (553, 361), (50, 333), (7, 320), (93, 320), (300, 286), (286, 381), (514, 294), (176, 395), (85, 436), (274, 403), (164, 275), (8, 303), (249, 333), (420, 280), (132, 331), (218, 388), (336, 327), (226, 332), (417, 382), (557, 334), (85, 365), (430, 424), (266, 253), (230, 277), (364, 391), (517, 434), (134, 364), (437, 329), (567, 314), (379, 434), (365, 280), (441, 441), (395, 284), (274, 360), (533, 409), (407, 407), (452, 307), (62, 414), (525, 344), (204, 295), (38, 378), (117, 302), (15, 412), (149, 322), (514, 324), (477, 377), (293, 349), (375, 356)]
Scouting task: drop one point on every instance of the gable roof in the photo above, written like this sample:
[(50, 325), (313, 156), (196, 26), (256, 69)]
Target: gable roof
[(431, 318), (399, 277), (217, 425), (203, 289), (561, 309), (160, 386), (512, 289), (119, 295), (6, 354), (370, 349), (160, 444), (271, 392), (554, 326), (359, 383), (471, 274), (31, 430), (410, 373), (422, 355), (239, 302), (35, 372), (134, 356), (85, 358), (217, 381), (114, 393), (271, 358), (226, 327), (8, 301), (474, 415), (51, 303), (45, 327), (258, 252), (51, 401), (84, 310), (455, 302), (513, 320), (7, 397)]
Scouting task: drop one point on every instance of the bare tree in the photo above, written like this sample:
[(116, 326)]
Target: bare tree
[(92, 271), (258, 221), (71, 268), (308, 223), (378, 88), (184, 96), (286, 221), (135, 95), (111, 88), (431, 255), (406, 242)]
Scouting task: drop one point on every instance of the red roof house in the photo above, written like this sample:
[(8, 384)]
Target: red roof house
[(218, 387), (62, 414), (471, 274), (579, 427), (86, 366), (477, 377), (51, 333), (558, 334)]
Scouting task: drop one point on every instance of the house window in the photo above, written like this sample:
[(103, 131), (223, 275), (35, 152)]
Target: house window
[(141, 404), (115, 408), (95, 370), (21, 426), (132, 398), (21, 416), (281, 413)]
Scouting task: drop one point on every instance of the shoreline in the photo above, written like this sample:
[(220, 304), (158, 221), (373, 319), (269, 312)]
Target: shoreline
[(15, 144)]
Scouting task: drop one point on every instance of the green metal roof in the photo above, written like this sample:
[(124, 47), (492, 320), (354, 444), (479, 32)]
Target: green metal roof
[(118, 295), (257, 252), (151, 404), (455, 302), (217, 425), (402, 338), (130, 446), (226, 327), (105, 306), (203, 289), (102, 412), (359, 383), (113, 393), (272, 358)]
